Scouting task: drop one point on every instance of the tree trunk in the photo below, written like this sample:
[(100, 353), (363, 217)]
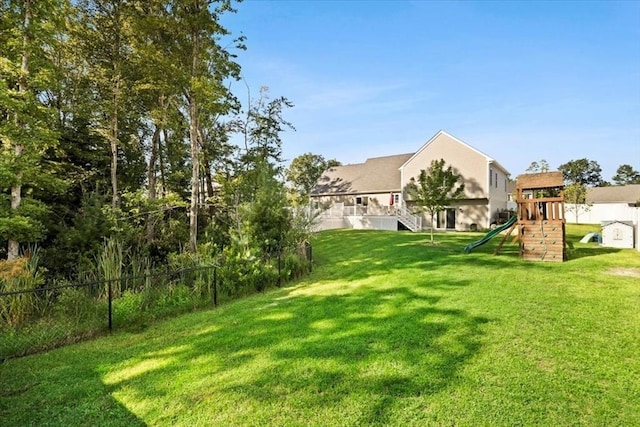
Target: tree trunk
[(113, 137), (163, 181), (209, 183), (13, 247), (195, 169), (432, 229), (153, 159), (151, 179), (193, 136)]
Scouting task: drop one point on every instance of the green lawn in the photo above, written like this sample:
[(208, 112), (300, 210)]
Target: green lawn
[(388, 330)]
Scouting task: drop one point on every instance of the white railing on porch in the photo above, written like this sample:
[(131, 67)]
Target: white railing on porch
[(339, 210), (402, 214)]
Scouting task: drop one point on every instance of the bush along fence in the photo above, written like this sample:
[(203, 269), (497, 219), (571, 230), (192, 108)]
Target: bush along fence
[(36, 316)]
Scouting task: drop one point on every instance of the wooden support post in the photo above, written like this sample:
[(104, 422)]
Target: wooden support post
[(506, 236)]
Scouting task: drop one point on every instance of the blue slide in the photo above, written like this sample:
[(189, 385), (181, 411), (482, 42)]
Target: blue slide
[(490, 235)]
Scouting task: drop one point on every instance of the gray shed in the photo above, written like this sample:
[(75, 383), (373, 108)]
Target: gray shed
[(617, 234)]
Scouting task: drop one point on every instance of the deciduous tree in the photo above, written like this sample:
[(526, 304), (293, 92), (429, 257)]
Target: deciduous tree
[(202, 66), (304, 171), (582, 171), (26, 124), (105, 31), (626, 175), (436, 188), (576, 197)]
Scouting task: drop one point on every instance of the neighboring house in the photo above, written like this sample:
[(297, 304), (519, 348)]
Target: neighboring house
[(619, 203), (374, 194)]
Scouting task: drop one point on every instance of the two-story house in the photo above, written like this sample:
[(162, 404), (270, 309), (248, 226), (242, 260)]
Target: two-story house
[(374, 194)]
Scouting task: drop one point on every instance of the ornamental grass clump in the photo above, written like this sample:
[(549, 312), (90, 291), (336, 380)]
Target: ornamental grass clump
[(18, 275)]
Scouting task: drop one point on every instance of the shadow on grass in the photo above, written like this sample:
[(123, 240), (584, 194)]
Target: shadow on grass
[(350, 256), (368, 348), (337, 348), (578, 252), (62, 395)]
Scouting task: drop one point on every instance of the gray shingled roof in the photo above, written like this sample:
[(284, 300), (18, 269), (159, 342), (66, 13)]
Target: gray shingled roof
[(620, 194), (375, 175)]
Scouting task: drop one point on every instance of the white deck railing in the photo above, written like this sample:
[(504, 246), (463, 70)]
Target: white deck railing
[(339, 210)]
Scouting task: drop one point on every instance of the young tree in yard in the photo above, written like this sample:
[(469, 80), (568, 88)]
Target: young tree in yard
[(582, 171), (436, 188), (575, 195), (304, 171), (626, 175)]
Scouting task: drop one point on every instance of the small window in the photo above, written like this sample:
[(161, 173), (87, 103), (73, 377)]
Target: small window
[(358, 200), (496, 179), (505, 184), (396, 199), (490, 177)]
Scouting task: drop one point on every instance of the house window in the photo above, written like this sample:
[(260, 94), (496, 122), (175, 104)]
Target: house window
[(496, 179), (505, 184), (490, 177), (396, 199), (364, 201)]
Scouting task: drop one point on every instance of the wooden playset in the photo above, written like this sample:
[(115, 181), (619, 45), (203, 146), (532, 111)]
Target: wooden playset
[(541, 222)]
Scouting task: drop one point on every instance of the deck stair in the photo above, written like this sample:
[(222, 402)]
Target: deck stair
[(412, 222)]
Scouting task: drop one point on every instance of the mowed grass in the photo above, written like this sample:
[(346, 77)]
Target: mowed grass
[(388, 330)]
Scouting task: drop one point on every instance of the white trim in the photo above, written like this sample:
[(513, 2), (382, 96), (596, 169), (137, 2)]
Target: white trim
[(401, 189), (489, 180)]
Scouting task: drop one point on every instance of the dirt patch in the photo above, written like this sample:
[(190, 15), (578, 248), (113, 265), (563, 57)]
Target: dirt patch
[(629, 272)]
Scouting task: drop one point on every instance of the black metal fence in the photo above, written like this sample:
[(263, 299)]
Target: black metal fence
[(108, 284), (195, 287)]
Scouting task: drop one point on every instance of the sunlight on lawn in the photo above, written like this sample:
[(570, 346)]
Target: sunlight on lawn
[(136, 369), (406, 334)]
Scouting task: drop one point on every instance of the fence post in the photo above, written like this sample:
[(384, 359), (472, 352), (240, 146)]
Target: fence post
[(309, 255), (279, 269), (215, 286), (110, 305)]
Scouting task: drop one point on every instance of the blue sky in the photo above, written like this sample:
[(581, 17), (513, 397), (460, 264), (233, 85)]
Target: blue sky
[(520, 81)]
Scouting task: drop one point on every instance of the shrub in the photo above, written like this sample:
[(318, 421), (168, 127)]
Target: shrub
[(294, 266), (79, 307)]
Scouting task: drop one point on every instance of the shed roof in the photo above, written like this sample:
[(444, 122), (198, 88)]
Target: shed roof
[(608, 223), (375, 175), (619, 194)]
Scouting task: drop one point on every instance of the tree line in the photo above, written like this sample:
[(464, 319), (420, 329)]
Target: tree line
[(118, 121)]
